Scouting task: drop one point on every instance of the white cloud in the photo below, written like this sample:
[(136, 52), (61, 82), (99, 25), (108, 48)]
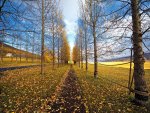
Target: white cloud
[(70, 27), (119, 27)]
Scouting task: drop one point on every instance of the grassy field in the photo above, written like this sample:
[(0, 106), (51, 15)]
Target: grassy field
[(147, 64), (25, 90), (8, 63), (104, 96)]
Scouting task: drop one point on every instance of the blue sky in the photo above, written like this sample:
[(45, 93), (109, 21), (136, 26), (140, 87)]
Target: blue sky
[(71, 14), (70, 11)]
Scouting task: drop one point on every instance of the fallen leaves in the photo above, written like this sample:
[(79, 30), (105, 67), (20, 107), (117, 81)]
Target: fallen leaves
[(69, 100), (103, 96), (24, 90)]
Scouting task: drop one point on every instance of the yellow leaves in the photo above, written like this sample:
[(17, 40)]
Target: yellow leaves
[(65, 49), (128, 109), (25, 90), (78, 97), (69, 98), (53, 98), (119, 110), (75, 54), (103, 96)]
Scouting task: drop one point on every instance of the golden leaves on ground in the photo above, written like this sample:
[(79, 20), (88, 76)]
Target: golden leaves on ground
[(24, 90), (103, 96), (69, 99)]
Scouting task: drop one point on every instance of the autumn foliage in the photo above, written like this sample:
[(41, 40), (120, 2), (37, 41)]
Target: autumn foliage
[(75, 54), (65, 50)]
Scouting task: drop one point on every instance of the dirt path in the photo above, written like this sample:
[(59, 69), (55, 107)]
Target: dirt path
[(70, 99)]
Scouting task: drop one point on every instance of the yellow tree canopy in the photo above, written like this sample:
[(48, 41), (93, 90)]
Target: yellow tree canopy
[(48, 55), (65, 49), (75, 54)]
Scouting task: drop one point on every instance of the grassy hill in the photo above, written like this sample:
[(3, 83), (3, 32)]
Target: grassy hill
[(5, 49), (11, 56)]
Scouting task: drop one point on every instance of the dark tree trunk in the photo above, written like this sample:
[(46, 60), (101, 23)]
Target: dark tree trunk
[(17, 55), (42, 40), (81, 51), (27, 52), (33, 49), (139, 80), (2, 47), (95, 52), (53, 49), (12, 52), (79, 63), (79, 58), (86, 56), (53, 29), (58, 52), (20, 51)]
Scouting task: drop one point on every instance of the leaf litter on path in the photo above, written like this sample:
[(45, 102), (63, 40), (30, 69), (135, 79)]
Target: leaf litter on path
[(70, 98)]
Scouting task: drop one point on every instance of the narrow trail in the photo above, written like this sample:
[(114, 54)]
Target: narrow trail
[(70, 99)]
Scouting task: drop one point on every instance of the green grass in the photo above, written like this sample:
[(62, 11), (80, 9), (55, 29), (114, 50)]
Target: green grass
[(25, 90), (103, 96)]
